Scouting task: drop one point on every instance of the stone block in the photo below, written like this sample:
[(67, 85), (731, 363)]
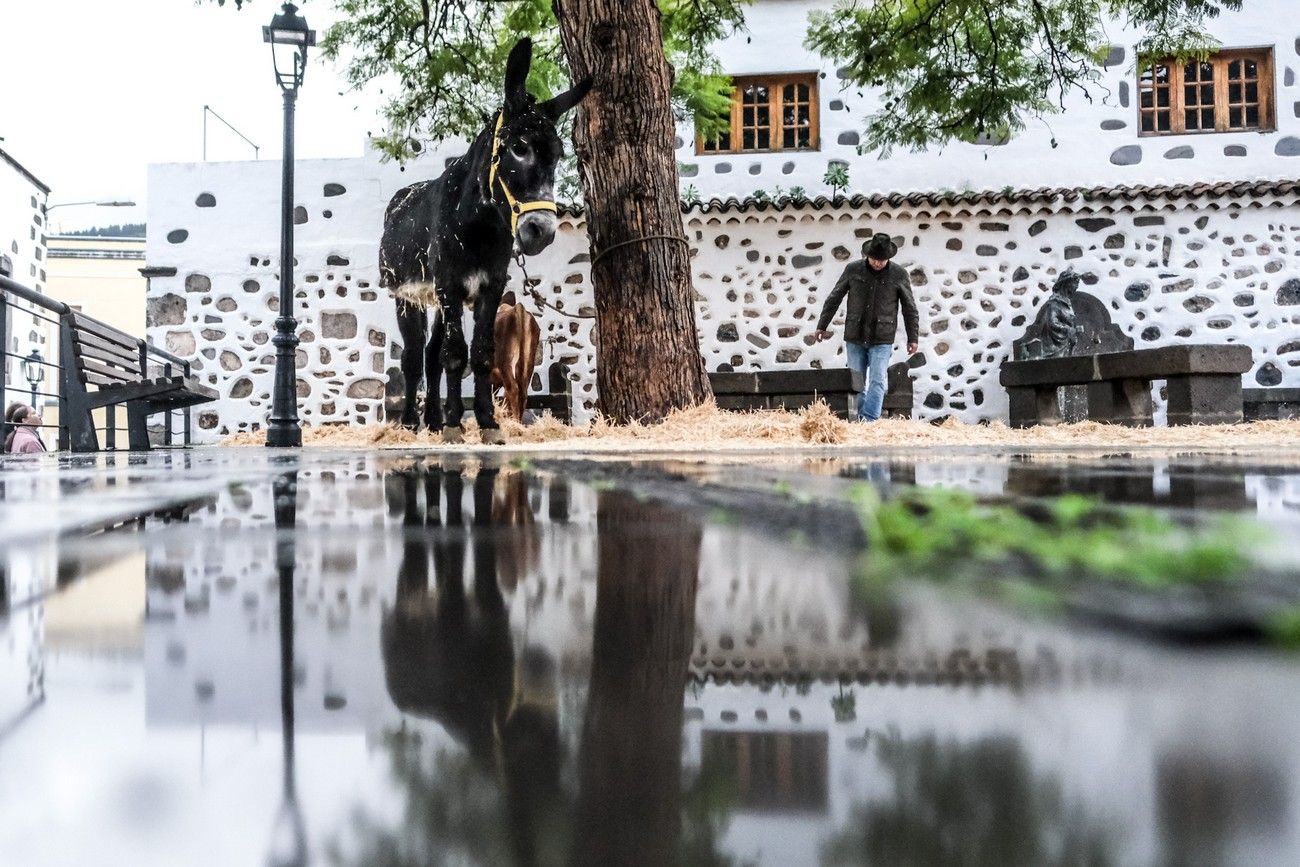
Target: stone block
[(1205, 399), (808, 381), (1128, 155), (740, 402), (731, 383), (1033, 406), (1259, 404), (341, 326), (1166, 361), (1121, 401), (168, 309), (1071, 370)]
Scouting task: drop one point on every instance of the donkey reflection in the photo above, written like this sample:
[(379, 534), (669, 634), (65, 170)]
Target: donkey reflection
[(447, 649)]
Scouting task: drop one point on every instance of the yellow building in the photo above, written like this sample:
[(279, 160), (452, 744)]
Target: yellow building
[(100, 277)]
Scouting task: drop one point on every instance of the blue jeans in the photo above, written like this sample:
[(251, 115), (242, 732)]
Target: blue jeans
[(873, 363)]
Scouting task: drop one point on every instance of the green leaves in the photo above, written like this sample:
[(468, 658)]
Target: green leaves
[(976, 70), (948, 535), (440, 63), (836, 177)]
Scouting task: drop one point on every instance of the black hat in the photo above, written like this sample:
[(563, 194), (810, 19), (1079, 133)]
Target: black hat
[(881, 246)]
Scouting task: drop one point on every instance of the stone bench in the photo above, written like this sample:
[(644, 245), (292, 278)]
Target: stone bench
[(1261, 404), (795, 389), (788, 389), (1203, 383)]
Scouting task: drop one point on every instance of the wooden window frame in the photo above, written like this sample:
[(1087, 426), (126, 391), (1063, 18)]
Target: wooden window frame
[(1263, 57), (775, 85)]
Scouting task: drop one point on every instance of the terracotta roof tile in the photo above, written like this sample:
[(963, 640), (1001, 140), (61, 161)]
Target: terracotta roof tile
[(1042, 196)]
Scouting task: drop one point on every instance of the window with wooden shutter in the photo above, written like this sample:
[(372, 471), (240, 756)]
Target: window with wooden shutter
[(768, 113), (1230, 91)]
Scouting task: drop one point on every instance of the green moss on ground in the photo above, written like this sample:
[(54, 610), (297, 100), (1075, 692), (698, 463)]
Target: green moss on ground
[(1034, 554)]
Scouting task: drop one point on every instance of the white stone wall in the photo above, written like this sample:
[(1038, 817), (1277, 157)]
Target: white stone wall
[(1196, 270), (1091, 143), (22, 240), (1212, 270), (1205, 272)]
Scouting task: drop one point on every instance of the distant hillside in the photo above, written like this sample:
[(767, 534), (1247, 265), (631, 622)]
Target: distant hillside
[(122, 230)]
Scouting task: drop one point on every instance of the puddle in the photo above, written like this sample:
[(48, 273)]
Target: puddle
[(398, 659)]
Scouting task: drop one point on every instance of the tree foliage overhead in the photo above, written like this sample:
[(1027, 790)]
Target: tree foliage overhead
[(975, 69), (440, 63), (943, 70)]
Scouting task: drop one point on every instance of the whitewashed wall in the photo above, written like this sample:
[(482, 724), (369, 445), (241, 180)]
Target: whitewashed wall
[(1208, 269), (1090, 144), (22, 240), (1193, 269)]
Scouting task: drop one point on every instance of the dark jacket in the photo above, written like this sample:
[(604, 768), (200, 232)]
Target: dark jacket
[(874, 299)]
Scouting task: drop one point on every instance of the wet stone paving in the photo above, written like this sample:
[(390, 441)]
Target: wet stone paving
[(241, 657)]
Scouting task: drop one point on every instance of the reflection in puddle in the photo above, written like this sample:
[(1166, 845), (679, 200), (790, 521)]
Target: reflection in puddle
[(406, 660)]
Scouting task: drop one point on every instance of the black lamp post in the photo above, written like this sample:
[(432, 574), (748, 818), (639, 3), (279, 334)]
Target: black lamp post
[(290, 39), (34, 370), (289, 833)]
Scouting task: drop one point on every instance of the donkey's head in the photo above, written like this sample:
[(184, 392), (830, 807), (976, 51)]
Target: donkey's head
[(526, 149)]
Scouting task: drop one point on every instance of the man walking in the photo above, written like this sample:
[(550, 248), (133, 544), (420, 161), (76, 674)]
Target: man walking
[(877, 288)]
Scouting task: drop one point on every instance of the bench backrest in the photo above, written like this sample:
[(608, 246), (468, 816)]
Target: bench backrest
[(104, 355)]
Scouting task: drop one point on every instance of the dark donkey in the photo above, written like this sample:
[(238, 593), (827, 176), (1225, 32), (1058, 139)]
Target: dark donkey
[(447, 244)]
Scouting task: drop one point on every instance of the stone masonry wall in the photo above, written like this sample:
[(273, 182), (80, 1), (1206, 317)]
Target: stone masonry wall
[(1194, 270)]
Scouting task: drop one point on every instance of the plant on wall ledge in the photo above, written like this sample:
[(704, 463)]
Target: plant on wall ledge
[(837, 178), (760, 196), (798, 195), (690, 195)]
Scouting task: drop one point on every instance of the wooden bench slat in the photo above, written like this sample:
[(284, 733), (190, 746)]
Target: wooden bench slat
[(96, 347), (84, 323), (98, 379), (90, 366), (103, 360)]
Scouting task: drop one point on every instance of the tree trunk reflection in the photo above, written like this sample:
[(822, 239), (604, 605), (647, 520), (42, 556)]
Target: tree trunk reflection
[(629, 801)]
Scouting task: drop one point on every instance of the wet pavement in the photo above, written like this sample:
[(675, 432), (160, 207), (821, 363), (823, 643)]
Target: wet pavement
[(229, 657)]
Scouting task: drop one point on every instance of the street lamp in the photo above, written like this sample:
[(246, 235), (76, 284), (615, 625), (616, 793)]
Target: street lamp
[(290, 38), (98, 203), (34, 370)]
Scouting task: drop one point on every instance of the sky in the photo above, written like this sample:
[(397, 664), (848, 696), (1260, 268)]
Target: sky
[(93, 91)]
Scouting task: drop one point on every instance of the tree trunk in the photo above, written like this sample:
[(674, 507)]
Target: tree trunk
[(629, 809), (648, 359)]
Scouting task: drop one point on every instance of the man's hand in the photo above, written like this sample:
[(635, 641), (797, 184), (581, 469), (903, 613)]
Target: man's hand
[(819, 336), (912, 347)]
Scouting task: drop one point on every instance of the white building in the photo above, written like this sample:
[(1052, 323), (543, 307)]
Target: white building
[(23, 198), (1183, 235)]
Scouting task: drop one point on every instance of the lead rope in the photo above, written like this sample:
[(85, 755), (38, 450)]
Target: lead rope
[(537, 295)]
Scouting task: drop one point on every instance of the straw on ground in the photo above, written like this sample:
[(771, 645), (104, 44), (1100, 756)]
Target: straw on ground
[(706, 427)]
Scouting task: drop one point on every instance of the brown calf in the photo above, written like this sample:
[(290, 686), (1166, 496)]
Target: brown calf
[(517, 336)]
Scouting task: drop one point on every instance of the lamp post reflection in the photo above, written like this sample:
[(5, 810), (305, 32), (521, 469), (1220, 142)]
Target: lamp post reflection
[(289, 834)]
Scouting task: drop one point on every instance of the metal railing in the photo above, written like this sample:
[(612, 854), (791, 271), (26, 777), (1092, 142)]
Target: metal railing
[(56, 313)]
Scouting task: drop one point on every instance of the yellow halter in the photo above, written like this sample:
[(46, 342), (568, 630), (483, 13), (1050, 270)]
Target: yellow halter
[(516, 207)]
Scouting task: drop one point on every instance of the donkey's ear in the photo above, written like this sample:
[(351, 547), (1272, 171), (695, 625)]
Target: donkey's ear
[(556, 106), (521, 56)]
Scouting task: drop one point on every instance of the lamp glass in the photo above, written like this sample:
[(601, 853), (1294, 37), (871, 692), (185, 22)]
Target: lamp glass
[(33, 369), (289, 37)]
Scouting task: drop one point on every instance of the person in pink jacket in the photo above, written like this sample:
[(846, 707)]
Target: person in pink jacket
[(25, 438)]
